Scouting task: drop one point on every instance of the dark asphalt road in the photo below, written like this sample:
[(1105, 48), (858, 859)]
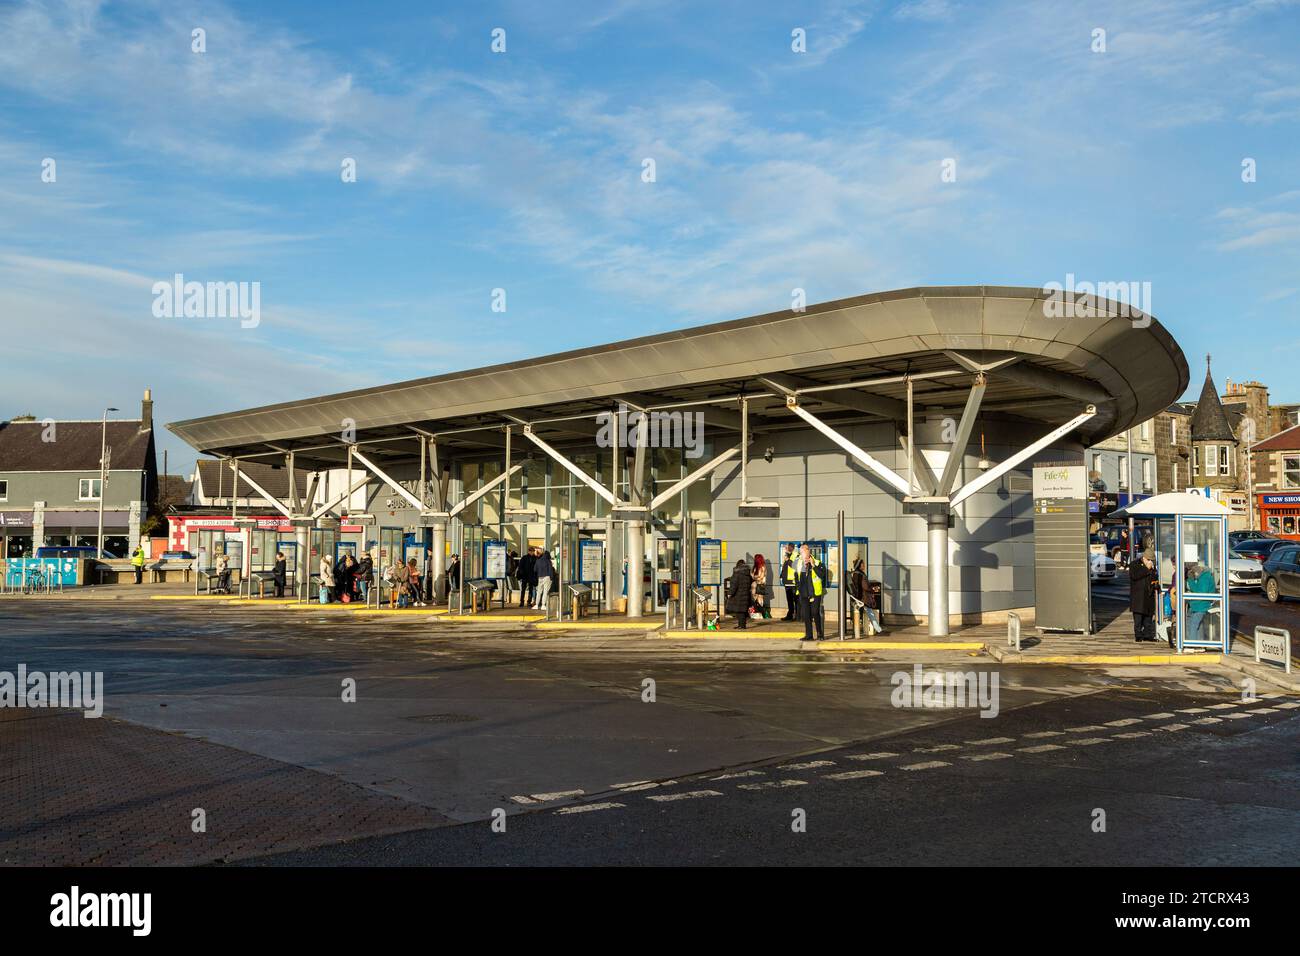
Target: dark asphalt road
[(1173, 792)]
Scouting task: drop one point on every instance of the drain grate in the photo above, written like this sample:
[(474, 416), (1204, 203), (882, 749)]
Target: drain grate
[(444, 718)]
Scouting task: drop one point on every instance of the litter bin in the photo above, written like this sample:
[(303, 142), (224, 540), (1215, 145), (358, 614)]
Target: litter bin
[(480, 591), (579, 596)]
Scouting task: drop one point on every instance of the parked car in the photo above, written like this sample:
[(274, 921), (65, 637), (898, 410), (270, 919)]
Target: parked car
[(1243, 572), (1281, 572), (1257, 549), (1236, 537), (60, 551), (1101, 567)]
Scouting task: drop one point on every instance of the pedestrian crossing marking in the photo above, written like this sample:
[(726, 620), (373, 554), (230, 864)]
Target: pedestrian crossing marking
[(685, 795), (1041, 748), (588, 807), (927, 765), (773, 784), (880, 755), (853, 774), (992, 756)]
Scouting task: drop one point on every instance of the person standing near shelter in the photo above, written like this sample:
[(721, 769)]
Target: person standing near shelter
[(326, 578), (762, 588), (137, 562), (280, 573), (544, 569), (788, 579), (528, 576), (740, 594), (223, 572), (1143, 585), (810, 576)]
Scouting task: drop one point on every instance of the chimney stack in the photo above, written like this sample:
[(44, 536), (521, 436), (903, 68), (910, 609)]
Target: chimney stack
[(146, 410)]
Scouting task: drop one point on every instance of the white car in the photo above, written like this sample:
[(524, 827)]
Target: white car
[(1245, 573), (1101, 567)]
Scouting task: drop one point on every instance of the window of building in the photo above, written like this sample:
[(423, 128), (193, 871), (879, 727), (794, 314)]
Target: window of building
[(90, 489), (1291, 471), (1173, 482), (1173, 431), (1211, 460), (1225, 459), (1096, 462), (4, 490), (1146, 474), (1123, 471), (1144, 431)]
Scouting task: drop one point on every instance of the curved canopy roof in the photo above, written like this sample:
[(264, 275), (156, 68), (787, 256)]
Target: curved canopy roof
[(1174, 503), (846, 359)]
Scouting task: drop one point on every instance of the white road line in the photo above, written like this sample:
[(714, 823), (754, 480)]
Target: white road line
[(1160, 716), (1089, 741), (1125, 722), (588, 807), (1043, 733), (686, 795), (1289, 705), (523, 800), (1264, 710), (1040, 749), (1208, 720), (1173, 727), (773, 784), (633, 783), (880, 755), (809, 765), (561, 795), (1195, 710), (739, 774), (992, 756), (648, 785), (853, 774), (927, 765), (1134, 734), (1090, 729), (1223, 706), (990, 740), (935, 750), (1238, 716)]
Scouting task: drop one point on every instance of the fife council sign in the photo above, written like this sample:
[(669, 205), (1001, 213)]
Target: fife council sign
[(1063, 481)]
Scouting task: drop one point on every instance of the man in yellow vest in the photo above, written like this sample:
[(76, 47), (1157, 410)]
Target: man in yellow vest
[(811, 577), (791, 584), (137, 561)]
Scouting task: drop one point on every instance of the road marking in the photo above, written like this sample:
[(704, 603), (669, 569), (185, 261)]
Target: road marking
[(1222, 706), (810, 765), (1089, 741), (632, 783), (1134, 734), (1208, 720), (1264, 710), (879, 755), (1041, 748), (1195, 710), (853, 774), (1125, 722), (935, 750), (773, 784), (523, 800), (561, 795), (588, 807), (1238, 716), (927, 765), (686, 795), (1173, 727), (1091, 728), (1289, 705), (742, 773), (1043, 733), (647, 785), (990, 740), (992, 756), (1160, 716)]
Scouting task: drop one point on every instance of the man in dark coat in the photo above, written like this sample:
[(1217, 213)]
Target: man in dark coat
[(1142, 587), (528, 577), (280, 573), (811, 577), (739, 597)]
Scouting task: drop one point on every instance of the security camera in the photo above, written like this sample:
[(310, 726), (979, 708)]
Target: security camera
[(767, 455)]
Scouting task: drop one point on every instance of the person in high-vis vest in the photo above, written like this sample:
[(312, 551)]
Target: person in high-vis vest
[(811, 577), (791, 584), (137, 561)]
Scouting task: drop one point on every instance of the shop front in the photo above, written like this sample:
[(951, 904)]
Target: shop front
[(1279, 514)]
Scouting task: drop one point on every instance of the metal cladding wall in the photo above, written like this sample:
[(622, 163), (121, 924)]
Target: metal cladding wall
[(991, 545)]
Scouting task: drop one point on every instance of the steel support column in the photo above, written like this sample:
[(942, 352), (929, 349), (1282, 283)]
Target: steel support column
[(937, 528)]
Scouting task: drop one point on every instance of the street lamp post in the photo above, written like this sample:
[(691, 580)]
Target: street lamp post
[(103, 480)]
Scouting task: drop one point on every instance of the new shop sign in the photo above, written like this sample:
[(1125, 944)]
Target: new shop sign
[(1280, 499)]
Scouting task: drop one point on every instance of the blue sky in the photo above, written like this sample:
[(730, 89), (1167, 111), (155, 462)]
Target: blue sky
[(522, 171)]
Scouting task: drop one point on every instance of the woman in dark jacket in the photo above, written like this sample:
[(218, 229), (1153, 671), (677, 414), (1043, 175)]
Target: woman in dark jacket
[(858, 581), (280, 573), (741, 596)]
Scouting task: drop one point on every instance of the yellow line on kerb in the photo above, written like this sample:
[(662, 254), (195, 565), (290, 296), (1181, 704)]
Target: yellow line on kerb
[(492, 618), (737, 634), (834, 645), (189, 597), (598, 626), (1183, 659)]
